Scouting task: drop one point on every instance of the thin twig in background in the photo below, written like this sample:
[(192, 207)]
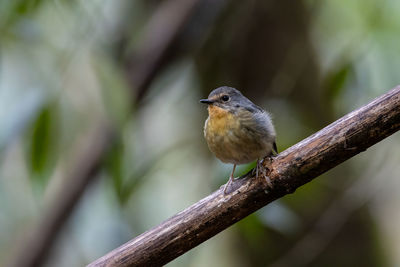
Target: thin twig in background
[(161, 32), (299, 164)]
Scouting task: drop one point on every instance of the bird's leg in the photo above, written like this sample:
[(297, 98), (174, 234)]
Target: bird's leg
[(230, 179), (257, 167), (258, 162)]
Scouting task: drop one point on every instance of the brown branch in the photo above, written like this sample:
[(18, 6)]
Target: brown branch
[(292, 168)]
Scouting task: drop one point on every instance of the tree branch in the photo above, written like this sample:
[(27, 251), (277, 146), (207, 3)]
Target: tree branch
[(292, 168)]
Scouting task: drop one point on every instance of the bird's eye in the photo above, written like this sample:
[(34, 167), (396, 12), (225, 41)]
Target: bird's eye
[(225, 98)]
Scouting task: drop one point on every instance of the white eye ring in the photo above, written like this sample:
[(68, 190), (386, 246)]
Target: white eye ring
[(225, 98)]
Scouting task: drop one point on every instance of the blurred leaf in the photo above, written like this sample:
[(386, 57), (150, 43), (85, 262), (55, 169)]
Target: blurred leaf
[(17, 110), (311, 198), (12, 11), (23, 7), (114, 165), (41, 151), (336, 81), (125, 186), (252, 229)]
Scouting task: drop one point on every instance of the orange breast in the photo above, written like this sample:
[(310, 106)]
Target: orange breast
[(217, 112), (235, 138), (220, 120)]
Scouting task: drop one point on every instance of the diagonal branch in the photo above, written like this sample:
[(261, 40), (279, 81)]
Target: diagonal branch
[(299, 164)]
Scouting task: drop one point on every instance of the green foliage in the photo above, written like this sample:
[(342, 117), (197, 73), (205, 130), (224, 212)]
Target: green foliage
[(336, 81), (42, 142), (252, 229), (11, 11), (23, 7), (114, 167)]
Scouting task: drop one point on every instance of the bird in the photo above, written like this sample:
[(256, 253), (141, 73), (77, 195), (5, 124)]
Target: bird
[(238, 131)]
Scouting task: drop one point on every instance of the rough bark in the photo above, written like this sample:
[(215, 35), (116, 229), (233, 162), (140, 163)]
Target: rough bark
[(297, 165)]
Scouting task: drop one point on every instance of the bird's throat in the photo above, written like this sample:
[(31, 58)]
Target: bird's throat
[(220, 120)]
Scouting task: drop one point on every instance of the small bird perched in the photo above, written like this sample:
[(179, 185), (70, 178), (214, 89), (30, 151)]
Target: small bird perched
[(237, 131)]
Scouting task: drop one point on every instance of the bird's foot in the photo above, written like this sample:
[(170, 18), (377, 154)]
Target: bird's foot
[(268, 180), (226, 186), (266, 170), (231, 180), (256, 169)]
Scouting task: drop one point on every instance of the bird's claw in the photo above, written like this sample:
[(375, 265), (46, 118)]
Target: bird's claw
[(226, 186), (264, 171)]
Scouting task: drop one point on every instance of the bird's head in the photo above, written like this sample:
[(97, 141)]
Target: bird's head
[(227, 98)]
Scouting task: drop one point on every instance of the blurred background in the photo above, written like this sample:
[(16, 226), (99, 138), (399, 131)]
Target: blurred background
[(101, 129)]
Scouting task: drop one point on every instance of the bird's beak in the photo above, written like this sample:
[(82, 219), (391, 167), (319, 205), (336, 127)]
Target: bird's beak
[(206, 101)]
